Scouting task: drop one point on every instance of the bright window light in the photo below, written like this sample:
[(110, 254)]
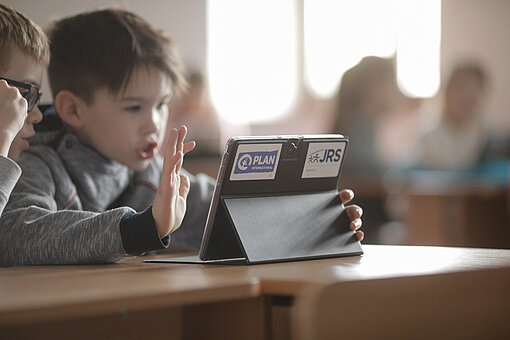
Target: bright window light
[(418, 47), (339, 33), (252, 58)]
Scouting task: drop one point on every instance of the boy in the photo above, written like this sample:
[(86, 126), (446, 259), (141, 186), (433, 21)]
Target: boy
[(22, 63), (112, 76)]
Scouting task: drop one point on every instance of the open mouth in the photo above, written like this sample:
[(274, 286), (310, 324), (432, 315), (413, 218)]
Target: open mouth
[(148, 152)]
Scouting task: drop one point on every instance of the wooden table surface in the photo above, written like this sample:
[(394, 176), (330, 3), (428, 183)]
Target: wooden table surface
[(51, 292)]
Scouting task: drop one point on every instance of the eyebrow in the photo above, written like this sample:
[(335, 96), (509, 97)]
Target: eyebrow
[(29, 81), (140, 99), (143, 99)]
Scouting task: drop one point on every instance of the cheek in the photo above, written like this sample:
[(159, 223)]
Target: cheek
[(26, 131), (162, 118)]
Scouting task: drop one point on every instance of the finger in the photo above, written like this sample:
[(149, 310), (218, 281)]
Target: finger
[(346, 195), (24, 106), (178, 162), (355, 224), (188, 147), (172, 141), (360, 235), (354, 212), (185, 186), (183, 130), (169, 160), (3, 85)]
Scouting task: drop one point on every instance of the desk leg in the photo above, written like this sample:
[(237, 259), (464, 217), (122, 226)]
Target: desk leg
[(282, 309), (240, 319)]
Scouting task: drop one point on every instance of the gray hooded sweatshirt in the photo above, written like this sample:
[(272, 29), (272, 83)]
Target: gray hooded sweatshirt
[(9, 175), (71, 205)]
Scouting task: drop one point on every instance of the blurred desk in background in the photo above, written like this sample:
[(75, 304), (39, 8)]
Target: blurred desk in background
[(465, 212)]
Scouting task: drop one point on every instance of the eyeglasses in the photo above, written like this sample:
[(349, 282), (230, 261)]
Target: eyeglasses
[(28, 91)]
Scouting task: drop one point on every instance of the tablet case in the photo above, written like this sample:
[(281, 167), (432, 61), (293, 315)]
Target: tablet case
[(264, 227)]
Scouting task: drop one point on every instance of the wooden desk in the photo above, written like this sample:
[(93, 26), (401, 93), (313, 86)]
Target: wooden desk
[(133, 300), (460, 215)]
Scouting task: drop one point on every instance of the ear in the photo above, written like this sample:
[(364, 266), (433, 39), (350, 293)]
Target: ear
[(69, 107)]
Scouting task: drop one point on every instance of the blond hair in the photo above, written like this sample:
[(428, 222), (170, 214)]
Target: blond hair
[(16, 30)]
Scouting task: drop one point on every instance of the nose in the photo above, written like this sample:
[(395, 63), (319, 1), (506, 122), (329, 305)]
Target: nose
[(35, 116), (153, 123)]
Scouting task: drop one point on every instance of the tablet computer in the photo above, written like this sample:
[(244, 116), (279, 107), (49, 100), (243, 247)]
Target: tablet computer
[(276, 199)]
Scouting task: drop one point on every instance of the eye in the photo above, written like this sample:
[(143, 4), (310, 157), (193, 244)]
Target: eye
[(162, 105), (23, 92), (133, 108)]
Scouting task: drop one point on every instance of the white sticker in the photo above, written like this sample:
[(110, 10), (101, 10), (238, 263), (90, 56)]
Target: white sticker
[(255, 161), (323, 159)]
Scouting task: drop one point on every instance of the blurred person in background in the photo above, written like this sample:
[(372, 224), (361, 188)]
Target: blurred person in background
[(459, 139), (367, 93)]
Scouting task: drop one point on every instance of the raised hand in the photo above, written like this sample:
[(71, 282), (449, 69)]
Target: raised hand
[(170, 202), (13, 112)]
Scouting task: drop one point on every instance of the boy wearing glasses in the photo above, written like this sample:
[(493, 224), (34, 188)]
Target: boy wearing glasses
[(24, 55), (93, 190)]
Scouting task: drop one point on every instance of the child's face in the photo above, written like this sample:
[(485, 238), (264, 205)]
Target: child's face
[(128, 127), (25, 69), (463, 98)]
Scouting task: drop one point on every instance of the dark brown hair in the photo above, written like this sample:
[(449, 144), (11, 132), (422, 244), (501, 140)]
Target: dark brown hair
[(101, 49), (16, 30), (354, 84), (468, 68)]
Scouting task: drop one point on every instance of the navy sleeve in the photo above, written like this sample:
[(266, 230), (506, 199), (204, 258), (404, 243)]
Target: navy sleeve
[(139, 233)]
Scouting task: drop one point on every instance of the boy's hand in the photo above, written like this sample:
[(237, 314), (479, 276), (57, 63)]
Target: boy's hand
[(13, 112), (353, 211), (170, 203)]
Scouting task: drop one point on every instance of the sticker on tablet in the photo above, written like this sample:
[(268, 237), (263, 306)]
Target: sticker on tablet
[(323, 159), (255, 161)]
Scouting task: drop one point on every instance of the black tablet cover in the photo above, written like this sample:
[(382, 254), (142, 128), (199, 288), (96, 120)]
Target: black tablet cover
[(276, 199)]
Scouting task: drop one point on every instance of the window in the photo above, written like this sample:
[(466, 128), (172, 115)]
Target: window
[(252, 57), (257, 49), (338, 34), (418, 47)]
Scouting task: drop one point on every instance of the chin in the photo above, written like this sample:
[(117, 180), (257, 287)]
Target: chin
[(139, 166), (15, 150)]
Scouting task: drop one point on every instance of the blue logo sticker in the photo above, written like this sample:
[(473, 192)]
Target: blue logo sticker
[(256, 162)]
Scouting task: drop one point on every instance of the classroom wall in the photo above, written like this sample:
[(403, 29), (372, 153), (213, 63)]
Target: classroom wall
[(472, 29), (481, 30), (185, 21)]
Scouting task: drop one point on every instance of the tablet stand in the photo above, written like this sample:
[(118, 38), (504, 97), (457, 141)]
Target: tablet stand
[(281, 228)]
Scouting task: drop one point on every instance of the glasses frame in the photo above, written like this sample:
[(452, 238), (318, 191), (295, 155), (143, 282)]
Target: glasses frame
[(26, 86)]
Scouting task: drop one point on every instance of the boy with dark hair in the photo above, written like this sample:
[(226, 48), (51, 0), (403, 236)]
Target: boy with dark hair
[(22, 63), (112, 77)]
